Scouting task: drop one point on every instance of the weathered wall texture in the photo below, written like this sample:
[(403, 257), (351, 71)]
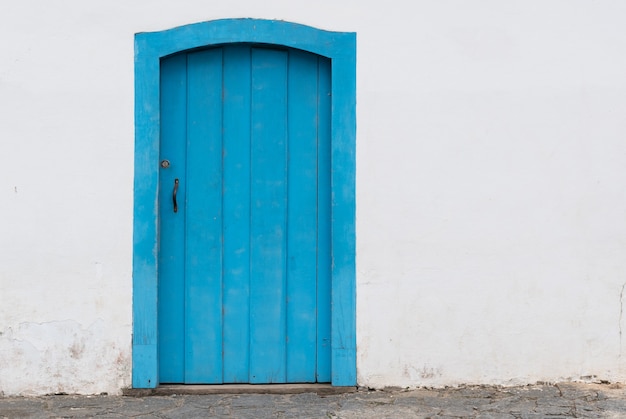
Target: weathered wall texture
[(491, 192)]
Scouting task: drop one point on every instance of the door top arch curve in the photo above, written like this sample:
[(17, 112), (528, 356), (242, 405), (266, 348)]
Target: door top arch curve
[(225, 31)]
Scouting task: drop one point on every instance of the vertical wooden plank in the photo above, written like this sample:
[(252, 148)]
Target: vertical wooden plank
[(203, 259), (324, 263), (236, 280), (302, 217), (268, 216), (171, 295)]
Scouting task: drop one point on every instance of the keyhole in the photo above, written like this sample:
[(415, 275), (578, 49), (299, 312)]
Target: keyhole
[(165, 164)]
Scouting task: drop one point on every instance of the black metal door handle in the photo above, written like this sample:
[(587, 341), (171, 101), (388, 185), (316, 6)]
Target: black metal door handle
[(174, 195)]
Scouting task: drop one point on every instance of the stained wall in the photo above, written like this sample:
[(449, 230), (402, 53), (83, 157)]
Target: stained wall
[(491, 208)]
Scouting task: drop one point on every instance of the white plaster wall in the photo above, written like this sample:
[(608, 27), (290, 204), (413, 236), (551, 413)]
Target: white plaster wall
[(491, 192)]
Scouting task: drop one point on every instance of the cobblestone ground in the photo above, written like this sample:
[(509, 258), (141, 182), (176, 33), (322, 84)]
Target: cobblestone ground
[(569, 400)]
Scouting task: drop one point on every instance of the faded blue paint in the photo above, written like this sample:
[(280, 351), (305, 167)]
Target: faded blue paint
[(236, 195), (274, 93), (203, 227), (268, 150), (304, 188), (340, 48), (171, 317)]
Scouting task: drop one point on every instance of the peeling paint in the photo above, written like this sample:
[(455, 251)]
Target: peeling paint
[(421, 374), (621, 316), (62, 356)]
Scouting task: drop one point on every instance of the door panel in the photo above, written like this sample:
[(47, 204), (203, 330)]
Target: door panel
[(203, 219), (236, 202), (244, 264), (302, 218), (324, 262), (268, 235), (171, 287)]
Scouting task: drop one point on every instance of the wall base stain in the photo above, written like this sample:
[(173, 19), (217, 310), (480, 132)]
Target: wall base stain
[(62, 357)]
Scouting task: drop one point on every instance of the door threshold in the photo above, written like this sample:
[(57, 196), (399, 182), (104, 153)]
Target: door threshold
[(203, 389)]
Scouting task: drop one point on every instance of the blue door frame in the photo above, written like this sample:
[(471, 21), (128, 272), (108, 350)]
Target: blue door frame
[(150, 48)]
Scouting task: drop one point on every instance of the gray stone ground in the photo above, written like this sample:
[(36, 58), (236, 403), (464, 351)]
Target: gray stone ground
[(571, 400)]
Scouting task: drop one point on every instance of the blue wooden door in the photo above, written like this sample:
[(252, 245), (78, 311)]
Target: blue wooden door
[(244, 252)]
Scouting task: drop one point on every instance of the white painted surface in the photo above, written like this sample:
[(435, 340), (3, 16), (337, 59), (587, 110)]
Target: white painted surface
[(491, 187)]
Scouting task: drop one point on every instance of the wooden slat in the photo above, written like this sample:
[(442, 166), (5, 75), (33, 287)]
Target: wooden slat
[(236, 279), (302, 217), (203, 261), (268, 215), (324, 273), (171, 289)]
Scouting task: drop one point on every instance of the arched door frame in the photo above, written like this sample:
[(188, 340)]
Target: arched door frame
[(340, 48)]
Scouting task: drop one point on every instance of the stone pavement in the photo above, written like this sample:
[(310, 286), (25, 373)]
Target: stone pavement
[(567, 400)]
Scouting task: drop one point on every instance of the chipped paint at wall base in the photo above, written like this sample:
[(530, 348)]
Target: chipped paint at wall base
[(63, 357)]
